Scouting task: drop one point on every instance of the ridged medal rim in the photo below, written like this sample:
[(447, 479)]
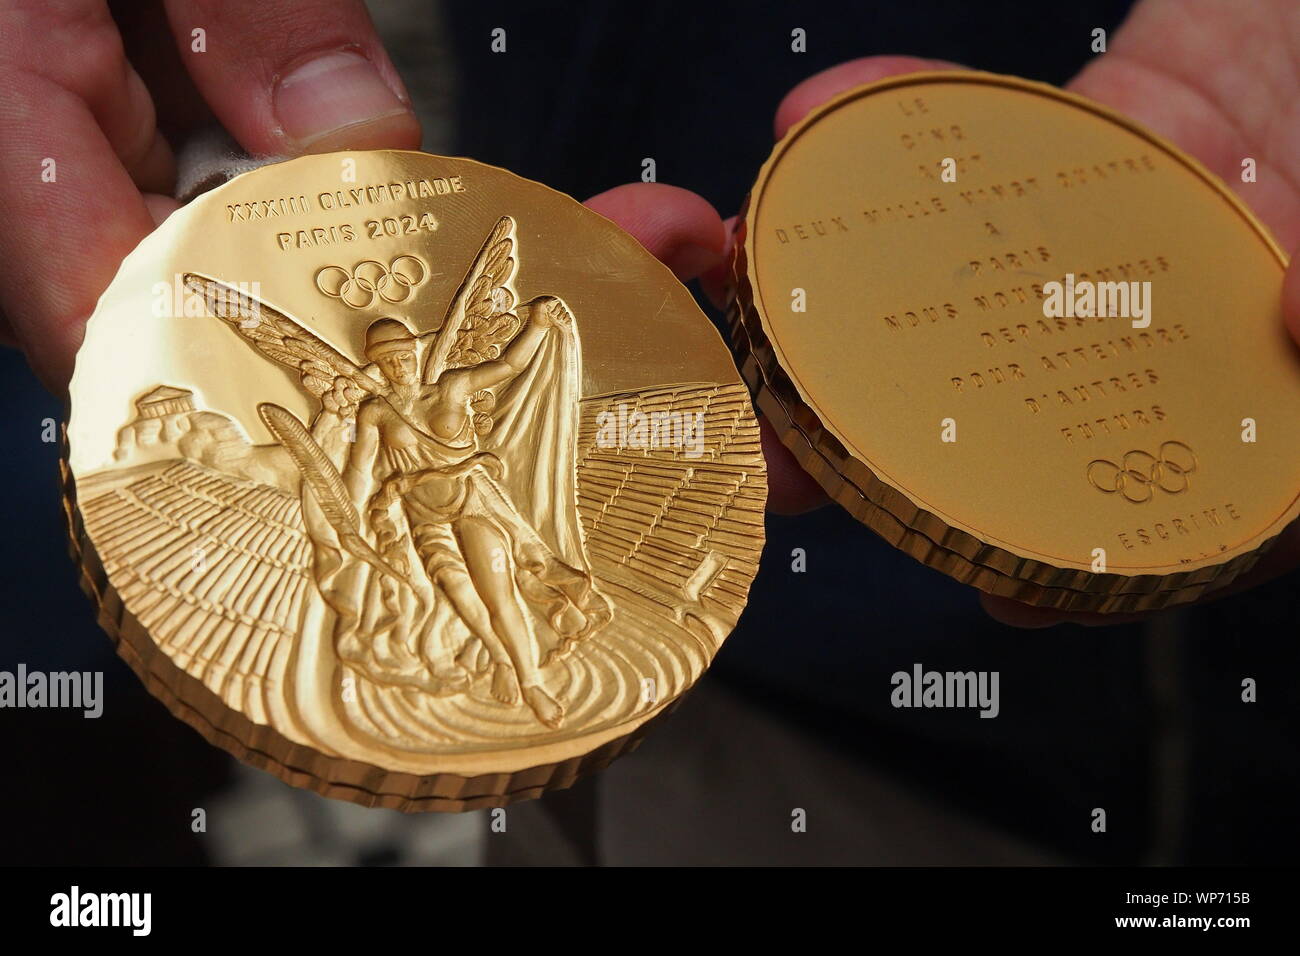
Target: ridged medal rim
[(304, 766)]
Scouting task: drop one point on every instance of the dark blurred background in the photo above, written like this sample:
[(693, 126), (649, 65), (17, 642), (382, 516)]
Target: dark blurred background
[(1144, 721)]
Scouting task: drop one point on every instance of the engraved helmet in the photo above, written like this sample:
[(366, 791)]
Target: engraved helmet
[(387, 335)]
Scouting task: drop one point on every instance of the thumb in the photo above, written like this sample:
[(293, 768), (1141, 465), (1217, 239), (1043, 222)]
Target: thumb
[(285, 78)]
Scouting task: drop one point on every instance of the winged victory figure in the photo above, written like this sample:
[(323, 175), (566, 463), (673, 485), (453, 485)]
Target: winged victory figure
[(439, 488)]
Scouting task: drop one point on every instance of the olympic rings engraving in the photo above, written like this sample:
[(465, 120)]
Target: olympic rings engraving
[(1139, 473), (370, 280)]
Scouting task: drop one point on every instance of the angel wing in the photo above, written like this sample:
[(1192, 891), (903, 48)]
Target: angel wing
[(480, 321), (324, 372)]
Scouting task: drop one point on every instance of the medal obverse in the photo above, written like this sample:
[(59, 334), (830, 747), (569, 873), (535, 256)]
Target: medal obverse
[(1025, 340), (411, 481)]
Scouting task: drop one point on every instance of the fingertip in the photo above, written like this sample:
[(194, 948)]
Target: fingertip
[(1027, 616), (714, 282), (678, 227), (828, 84), (790, 489), (1018, 614)]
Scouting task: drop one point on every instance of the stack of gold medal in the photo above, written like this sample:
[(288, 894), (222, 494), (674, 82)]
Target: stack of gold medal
[(1027, 342), (377, 488)]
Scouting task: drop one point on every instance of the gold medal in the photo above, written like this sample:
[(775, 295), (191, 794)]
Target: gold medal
[(411, 481), (1028, 342)]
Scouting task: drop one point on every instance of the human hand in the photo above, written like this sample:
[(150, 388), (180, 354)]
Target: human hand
[(284, 78), (548, 311)]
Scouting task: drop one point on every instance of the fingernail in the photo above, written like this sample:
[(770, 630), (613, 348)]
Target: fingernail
[(338, 101), (691, 260)]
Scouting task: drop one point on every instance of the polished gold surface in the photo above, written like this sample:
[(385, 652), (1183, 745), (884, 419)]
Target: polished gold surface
[(1091, 462), (409, 480)]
